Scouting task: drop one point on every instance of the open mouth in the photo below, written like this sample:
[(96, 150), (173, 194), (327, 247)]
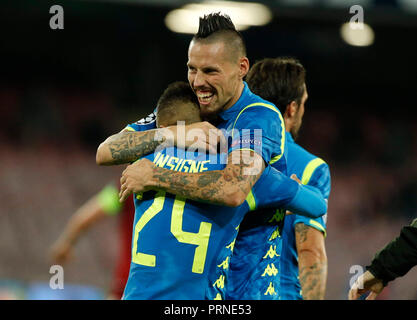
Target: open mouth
[(204, 97)]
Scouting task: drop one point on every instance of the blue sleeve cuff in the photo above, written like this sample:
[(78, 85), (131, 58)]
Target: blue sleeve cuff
[(308, 202)]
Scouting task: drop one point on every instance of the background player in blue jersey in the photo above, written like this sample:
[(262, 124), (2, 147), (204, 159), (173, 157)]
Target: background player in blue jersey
[(216, 66), (303, 257), (167, 227)]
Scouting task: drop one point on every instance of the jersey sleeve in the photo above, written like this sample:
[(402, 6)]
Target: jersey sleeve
[(144, 124), (259, 127), (308, 202), (108, 199), (273, 189), (316, 174)]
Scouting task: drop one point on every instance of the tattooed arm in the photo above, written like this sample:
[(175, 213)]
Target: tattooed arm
[(312, 261), (128, 146), (228, 187)]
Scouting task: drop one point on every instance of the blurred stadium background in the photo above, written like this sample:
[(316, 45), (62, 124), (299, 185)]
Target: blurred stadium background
[(62, 92)]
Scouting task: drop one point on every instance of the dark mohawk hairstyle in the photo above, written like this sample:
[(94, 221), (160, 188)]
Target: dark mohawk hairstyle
[(219, 26), (214, 22)]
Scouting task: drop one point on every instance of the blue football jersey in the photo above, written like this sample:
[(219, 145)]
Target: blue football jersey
[(315, 172), (255, 265), (258, 269), (181, 248), (265, 259), (251, 123), (256, 124)]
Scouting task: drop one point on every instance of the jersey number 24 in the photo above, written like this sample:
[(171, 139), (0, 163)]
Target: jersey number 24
[(200, 239)]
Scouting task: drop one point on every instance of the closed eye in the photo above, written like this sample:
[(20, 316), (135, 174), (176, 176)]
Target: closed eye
[(210, 70)]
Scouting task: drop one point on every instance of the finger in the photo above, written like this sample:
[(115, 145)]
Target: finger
[(222, 139), (123, 177), (353, 294), (294, 177), (206, 126), (125, 195), (214, 132), (123, 187), (121, 197), (212, 149)]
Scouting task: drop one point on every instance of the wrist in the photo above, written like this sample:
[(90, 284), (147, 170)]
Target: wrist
[(153, 182), (375, 276)]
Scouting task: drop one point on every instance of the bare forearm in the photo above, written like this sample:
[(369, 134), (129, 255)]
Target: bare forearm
[(312, 275), (83, 219), (229, 186), (312, 261), (213, 186), (224, 187), (128, 146)]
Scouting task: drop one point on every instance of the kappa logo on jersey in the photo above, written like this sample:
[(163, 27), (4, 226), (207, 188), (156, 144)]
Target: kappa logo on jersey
[(224, 264), (218, 297), (231, 246), (270, 270), (278, 216), (271, 290), (272, 252), (275, 234), (219, 283), (149, 119)]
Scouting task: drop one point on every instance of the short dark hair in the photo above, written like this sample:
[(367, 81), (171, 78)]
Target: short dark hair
[(279, 80), (216, 26), (179, 91)]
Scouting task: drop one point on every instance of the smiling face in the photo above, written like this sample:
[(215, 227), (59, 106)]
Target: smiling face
[(215, 75)]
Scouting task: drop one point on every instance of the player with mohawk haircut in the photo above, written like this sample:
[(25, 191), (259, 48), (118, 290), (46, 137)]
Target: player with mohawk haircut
[(254, 127), (216, 68)]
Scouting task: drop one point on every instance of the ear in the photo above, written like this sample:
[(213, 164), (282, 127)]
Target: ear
[(291, 109), (243, 67)]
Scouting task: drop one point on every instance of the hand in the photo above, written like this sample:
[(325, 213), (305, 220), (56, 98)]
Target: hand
[(293, 177), (135, 178), (366, 282), (199, 135), (61, 252)]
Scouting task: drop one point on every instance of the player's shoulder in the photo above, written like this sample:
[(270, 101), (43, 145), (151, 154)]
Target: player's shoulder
[(255, 104), (256, 112), (306, 163), (300, 154)]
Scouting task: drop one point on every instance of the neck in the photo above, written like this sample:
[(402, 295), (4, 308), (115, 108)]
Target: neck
[(288, 124), (235, 97)]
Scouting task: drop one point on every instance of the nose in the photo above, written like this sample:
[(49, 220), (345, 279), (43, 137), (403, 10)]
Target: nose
[(199, 79)]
